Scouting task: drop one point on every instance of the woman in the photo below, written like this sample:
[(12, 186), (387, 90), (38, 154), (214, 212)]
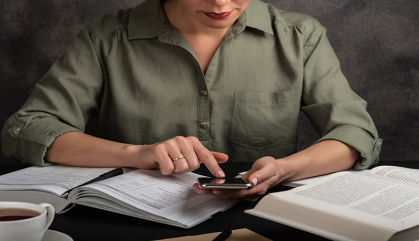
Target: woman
[(180, 82)]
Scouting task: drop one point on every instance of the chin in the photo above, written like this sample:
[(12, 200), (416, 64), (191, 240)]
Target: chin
[(217, 24)]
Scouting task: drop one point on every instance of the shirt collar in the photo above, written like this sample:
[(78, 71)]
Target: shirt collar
[(148, 19), (144, 20), (257, 16)]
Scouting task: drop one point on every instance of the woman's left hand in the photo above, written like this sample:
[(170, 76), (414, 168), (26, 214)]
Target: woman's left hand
[(265, 173)]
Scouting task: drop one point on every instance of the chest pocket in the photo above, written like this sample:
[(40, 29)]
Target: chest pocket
[(262, 119)]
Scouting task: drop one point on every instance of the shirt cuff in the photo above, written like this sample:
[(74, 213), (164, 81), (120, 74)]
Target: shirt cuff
[(29, 142), (368, 146)]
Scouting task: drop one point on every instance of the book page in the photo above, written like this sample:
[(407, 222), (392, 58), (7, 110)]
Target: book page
[(309, 180), (363, 198), (150, 192), (56, 179), (397, 174)]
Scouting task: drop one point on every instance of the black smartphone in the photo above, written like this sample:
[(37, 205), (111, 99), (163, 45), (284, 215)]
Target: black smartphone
[(223, 183)]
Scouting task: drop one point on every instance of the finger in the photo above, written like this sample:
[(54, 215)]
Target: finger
[(188, 152), (199, 190), (218, 181), (247, 174), (179, 162), (238, 195), (166, 165), (181, 165), (262, 173), (230, 194), (206, 157), (241, 194), (220, 157)]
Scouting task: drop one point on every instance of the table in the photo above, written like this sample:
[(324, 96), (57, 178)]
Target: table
[(85, 223)]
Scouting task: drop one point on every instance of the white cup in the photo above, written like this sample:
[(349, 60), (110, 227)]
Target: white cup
[(30, 229)]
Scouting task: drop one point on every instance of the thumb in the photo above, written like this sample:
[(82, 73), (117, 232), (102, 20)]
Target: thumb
[(220, 157), (258, 174)]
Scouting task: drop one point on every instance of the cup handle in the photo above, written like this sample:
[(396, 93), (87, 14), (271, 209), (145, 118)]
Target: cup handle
[(50, 214)]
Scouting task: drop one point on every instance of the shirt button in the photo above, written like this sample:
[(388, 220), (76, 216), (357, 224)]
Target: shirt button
[(363, 161), (17, 131), (204, 125), (204, 92)]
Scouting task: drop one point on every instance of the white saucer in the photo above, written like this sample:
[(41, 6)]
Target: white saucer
[(51, 235)]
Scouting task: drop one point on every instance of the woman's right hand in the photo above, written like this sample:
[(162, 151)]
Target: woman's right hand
[(179, 154), (79, 149)]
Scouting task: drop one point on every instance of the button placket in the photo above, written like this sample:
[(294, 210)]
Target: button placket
[(203, 115)]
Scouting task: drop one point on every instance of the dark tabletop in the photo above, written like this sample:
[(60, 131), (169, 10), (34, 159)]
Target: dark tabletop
[(85, 223)]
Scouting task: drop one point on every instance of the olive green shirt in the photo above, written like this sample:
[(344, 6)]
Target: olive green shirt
[(141, 78)]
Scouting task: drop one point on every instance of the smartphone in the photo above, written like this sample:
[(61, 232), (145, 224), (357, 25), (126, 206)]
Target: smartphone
[(223, 183)]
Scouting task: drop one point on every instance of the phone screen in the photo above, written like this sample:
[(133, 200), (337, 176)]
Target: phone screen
[(223, 183)]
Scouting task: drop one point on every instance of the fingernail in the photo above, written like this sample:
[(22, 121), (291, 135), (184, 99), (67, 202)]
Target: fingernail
[(220, 181), (255, 181), (220, 174)]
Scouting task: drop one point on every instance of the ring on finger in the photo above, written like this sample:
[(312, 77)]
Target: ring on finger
[(177, 158)]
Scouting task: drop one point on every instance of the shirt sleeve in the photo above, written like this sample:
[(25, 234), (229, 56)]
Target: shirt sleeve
[(336, 112), (61, 102)]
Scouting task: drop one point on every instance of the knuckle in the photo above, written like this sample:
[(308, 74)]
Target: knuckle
[(166, 171), (171, 143), (260, 176), (207, 155), (195, 165), (181, 167), (271, 165), (179, 138), (192, 166), (206, 159), (158, 148), (192, 138), (183, 141)]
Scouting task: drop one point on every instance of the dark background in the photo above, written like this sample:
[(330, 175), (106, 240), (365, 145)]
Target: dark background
[(377, 42)]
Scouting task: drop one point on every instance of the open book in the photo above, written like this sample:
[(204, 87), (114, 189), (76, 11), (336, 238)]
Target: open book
[(382, 205), (305, 181), (144, 194)]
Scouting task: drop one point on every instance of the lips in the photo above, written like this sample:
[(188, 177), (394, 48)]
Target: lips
[(218, 15)]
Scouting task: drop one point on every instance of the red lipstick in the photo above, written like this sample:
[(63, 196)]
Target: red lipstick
[(218, 16)]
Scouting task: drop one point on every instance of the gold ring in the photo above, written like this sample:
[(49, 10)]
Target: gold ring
[(177, 158)]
